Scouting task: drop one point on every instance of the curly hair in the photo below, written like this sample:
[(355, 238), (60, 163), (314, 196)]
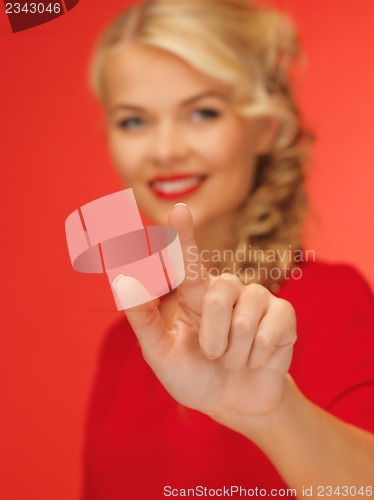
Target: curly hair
[(251, 49)]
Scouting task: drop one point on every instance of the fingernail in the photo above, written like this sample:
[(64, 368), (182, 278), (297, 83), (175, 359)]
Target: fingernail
[(130, 291), (116, 280), (183, 204)]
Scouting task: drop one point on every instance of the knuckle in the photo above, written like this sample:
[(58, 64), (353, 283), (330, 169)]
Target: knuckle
[(264, 342), (256, 362), (228, 276), (286, 305), (242, 324), (294, 340), (229, 279), (288, 313), (210, 350), (214, 299), (258, 290)]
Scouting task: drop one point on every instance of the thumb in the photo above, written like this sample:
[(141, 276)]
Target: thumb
[(144, 317)]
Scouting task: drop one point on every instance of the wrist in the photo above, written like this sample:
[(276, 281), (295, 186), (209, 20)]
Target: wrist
[(264, 429)]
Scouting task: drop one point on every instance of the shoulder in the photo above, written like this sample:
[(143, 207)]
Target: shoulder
[(332, 299), (319, 272), (334, 354), (338, 285)]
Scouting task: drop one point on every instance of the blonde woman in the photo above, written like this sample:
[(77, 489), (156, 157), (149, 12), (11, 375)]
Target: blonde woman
[(203, 400)]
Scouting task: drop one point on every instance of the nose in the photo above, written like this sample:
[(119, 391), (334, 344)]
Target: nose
[(168, 145)]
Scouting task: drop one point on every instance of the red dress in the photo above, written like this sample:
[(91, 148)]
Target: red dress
[(139, 440)]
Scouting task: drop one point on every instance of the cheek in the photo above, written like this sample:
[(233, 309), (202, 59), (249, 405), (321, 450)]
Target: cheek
[(126, 155), (227, 148), (230, 157)]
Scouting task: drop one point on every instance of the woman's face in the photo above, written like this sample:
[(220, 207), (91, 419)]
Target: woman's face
[(175, 137)]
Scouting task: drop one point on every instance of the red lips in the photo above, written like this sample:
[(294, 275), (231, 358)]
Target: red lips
[(176, 186)]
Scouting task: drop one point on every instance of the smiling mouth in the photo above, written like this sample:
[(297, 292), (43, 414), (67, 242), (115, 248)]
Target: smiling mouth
[(176, 186)]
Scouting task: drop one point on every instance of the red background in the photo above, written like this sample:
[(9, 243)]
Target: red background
[(53, 159)]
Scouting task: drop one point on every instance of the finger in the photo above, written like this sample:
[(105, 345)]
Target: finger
[(145, 318), (246, 317), (196, 277), (275, 337), (218, 303)]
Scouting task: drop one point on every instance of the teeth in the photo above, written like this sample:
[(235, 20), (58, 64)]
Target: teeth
[(177, 185)]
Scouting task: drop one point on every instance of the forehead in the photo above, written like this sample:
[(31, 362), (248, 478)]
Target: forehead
[(149, 76)]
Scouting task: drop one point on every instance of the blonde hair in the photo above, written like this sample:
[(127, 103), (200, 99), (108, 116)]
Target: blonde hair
[(249, 48)]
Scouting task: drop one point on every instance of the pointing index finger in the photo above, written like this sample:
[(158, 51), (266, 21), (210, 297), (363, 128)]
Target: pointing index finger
[(196, 276)]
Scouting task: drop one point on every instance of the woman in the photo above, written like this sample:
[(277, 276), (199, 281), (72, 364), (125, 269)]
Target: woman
[(202, 125)]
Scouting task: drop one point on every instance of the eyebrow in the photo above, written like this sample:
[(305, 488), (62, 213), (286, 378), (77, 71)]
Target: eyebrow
[(190, 100)]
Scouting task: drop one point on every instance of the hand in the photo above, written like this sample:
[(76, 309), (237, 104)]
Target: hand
[(230, 345)]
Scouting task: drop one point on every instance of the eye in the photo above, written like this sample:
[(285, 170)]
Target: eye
[(131, 123), (204, 114)]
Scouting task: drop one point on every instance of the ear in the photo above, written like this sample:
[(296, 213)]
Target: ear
[(268, 128)]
